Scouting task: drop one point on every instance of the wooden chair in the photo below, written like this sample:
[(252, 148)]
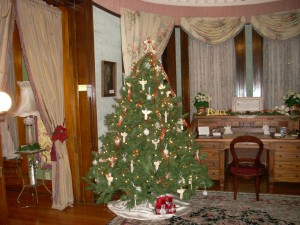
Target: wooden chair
[(247, 168)]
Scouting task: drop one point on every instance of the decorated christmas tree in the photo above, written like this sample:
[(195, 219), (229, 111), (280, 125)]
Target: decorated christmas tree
[(148, 150)]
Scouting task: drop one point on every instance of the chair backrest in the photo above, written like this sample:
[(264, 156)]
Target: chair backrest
[(249, 139)]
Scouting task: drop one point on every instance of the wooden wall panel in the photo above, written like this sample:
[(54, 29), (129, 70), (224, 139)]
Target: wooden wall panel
[(185, 72), (169, 61), (81, 109)]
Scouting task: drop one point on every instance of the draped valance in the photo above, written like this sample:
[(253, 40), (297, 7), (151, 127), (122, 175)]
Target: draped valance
[(280, 26), (136, 27), (212, 30)]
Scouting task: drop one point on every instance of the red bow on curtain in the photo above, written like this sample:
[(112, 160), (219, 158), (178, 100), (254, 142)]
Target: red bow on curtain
[(60, 133)]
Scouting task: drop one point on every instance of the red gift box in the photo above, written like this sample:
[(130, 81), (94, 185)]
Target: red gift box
[(165, 205)]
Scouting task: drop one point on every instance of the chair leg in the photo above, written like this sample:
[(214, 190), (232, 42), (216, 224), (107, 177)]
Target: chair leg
[(235, 187), (257, 187)]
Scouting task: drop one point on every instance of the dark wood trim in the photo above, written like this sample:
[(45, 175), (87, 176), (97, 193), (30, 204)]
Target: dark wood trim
[(185, 72), (169, 61), (85, 122), (3, 198)]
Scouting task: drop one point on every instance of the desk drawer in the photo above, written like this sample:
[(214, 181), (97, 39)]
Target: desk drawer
[(289, 168), (214, 174), (209, 145), (295, 178), (211, 155), (288, 146), (284, 156), (214, 164)]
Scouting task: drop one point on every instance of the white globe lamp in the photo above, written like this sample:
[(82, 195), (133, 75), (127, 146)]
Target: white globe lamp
[(5, 102)]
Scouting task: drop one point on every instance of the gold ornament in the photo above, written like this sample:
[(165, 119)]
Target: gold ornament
[(139, 105), (136, 152)]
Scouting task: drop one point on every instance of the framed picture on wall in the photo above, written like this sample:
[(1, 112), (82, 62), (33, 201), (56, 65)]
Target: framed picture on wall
[(109, 70)]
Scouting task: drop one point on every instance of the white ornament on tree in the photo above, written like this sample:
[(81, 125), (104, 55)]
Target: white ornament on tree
[(109, 178), (191, 182), (180, 192), (157, 125), (158, 68), (146, 132), (112, 161), (143, 83), (138, 188), (147, 65), (156, 165), (161, 86), (166, 151), (168, 93), (124, 135), (180, 122), (181, 181), (166, 116), (146, 112), (149, 97), (95, 162), (155, 142), (131, 166)]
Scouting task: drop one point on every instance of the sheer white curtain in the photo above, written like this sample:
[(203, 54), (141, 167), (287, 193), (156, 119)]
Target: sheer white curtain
[(40, 29), (6, 30), (281, 69), (212, 58), (136, 27), (212, 70), (6, 74)]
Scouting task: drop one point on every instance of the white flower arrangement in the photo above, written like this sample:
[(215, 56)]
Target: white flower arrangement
[(283, 109), (201, 100), (291, 98)]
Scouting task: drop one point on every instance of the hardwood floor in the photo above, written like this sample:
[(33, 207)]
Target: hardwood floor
[(86, 214)]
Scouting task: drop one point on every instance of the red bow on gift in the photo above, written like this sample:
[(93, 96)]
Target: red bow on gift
[(165, 205), (60, 133)]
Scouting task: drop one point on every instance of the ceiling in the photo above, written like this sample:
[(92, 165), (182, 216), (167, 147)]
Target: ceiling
[(209, 3)]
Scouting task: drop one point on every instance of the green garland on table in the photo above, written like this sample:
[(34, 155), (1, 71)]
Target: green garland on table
[(34, 146), (256, 113)]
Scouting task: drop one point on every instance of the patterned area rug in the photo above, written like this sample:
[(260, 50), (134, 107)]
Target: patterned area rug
[(220, 208)]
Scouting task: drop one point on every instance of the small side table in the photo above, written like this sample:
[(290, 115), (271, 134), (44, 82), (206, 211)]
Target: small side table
[(30, 179)]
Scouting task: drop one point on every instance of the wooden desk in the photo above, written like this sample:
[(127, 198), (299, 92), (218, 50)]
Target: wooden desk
[(282, 157)]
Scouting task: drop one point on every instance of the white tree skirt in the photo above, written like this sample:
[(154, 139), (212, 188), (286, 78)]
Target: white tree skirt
[(146, 211)]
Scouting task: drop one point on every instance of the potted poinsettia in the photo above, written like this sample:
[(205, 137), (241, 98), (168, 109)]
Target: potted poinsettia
[(201, 102), (292, 100)]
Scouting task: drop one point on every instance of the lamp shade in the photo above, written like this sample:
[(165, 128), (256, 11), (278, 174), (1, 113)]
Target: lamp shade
[(5, 102), (27, 106)]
